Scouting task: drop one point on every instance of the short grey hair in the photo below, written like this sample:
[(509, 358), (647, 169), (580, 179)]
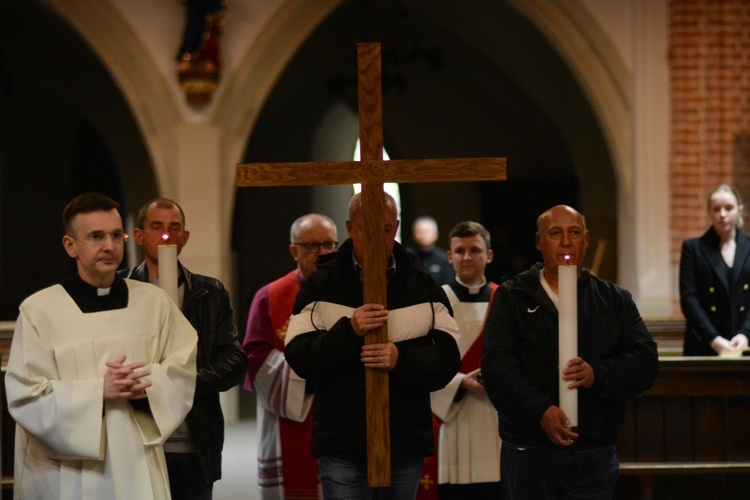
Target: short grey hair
[(294, 230)]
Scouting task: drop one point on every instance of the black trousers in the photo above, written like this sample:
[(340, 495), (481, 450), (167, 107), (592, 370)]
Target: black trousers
[(186, 480)]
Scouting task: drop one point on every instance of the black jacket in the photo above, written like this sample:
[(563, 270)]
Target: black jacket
[(434, 262), (324, 349), (714, 300), (519, 361), (221, 361)]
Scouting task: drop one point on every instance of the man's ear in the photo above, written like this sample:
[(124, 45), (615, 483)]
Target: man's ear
[(138, 235), (490, 255), (69, 244), (294, 250)]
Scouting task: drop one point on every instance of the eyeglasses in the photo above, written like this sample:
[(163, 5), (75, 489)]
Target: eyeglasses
[(96, 238), (315, 247)]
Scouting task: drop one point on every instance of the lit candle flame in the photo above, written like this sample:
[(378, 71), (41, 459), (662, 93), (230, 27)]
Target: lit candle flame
[(165, 237), (567, 259)]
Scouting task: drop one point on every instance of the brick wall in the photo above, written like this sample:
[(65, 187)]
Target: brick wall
[(710, 87)]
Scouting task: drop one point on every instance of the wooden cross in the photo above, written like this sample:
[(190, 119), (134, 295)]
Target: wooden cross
[(372, 172)]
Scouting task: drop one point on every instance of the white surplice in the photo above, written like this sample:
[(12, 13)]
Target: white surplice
[(469, 445), (69, 442), (281, 393)]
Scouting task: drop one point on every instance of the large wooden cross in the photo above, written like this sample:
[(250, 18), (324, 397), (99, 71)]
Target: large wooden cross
[(372, 171)]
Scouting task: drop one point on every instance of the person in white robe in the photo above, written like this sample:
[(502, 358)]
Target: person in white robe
[(468, 457), (101, 371)]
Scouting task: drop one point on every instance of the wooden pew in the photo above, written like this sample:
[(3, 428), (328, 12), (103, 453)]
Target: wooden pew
[(668, 333), (7, 426), (687, 437)]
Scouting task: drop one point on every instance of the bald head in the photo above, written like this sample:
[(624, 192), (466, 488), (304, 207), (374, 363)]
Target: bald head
[(355, 206), (561, 231), (355, 224), (546, 216)]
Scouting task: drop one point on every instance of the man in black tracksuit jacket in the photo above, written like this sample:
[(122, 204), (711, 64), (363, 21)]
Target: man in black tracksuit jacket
[(617, 360), (324, 345)]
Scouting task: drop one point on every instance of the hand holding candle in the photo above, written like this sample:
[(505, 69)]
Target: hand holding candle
[(567, 283), (168, 270)]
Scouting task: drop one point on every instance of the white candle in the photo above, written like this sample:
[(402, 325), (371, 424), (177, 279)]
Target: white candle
[(168, 270), (567, 287)]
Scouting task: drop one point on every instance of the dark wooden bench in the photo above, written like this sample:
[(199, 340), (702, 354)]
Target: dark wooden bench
[(688, 436), (668, 334), (7, 426)]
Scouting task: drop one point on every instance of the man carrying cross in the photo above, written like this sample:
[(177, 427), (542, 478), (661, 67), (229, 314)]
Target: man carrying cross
[(325, 345), (372, 172)]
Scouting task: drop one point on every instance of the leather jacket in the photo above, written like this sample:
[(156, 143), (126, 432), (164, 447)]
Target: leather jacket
[(221, 361)]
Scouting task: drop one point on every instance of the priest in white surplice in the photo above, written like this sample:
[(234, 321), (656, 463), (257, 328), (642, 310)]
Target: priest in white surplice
[(101, 371), (468, 456)]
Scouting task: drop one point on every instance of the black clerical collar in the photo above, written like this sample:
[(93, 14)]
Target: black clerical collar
[(88, 299), (465, 293)]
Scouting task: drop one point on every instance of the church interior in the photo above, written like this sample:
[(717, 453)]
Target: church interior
[(628, 110)]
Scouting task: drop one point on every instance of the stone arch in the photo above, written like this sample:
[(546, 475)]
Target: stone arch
[(604, 76), (136, 73), (598, 66), (263, 63), (593, 60)]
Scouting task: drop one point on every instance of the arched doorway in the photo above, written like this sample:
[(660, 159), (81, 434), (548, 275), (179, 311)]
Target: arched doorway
[(458, 82)]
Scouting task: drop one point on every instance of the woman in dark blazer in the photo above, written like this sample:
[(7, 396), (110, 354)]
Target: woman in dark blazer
[(715, 280)]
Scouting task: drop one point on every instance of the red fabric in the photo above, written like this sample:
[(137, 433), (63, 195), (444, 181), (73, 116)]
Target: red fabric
[(428, 481), (473, 357), (264, 333), (281, 296), (299, 467)]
